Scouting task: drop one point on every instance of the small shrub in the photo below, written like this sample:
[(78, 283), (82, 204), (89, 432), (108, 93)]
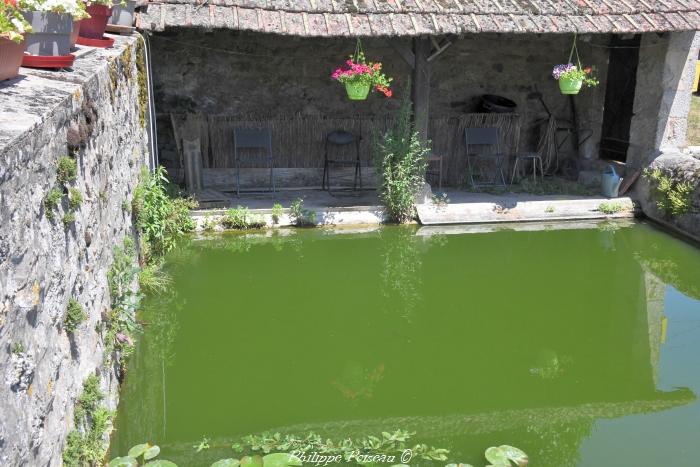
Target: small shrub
[(401, 164), (241, 218), (17, 348), (67, 169), (75, 198), (74, 316), (208, 224), (276, 213), (68, 218), (300, 216), (53, 197), (673, 198), (611, 207)]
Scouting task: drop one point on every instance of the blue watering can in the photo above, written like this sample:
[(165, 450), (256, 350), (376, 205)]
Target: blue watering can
[(610, 182)]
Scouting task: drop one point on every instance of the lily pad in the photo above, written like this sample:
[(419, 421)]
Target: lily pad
[(138, 450), (497, 456), (126, 461), (226, 463), (280, 459), (515, 454), (160, 463), (459, 465), (151, 452), (252, 461)]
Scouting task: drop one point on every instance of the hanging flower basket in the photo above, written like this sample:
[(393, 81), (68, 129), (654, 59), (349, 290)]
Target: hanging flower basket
[(573, 77), (360, 76)]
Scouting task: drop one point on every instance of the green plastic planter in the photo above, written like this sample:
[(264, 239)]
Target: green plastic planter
[(570, 86), (357, 91)]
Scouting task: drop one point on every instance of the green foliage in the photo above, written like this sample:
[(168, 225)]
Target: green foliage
[(549, 209), (17, 348), (126, 206), (53, 197), (611, 207), (75, 198), (299, 215), (208, 224), (440, 199), (85, 444), (241, 218), (276, 213), (74, 315), (154, 279), (68, 218), (388, 444), (202, 445), (161, 219), (141, 454), (401, 161), (673, 198), (67, 170)]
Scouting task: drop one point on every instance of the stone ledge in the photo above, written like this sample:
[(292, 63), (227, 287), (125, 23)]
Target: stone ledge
[(34, 95)]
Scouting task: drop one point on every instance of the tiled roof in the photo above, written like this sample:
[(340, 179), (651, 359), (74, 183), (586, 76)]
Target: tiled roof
[(419, 17)]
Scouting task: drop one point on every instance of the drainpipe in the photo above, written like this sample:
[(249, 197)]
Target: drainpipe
[(152, 131)]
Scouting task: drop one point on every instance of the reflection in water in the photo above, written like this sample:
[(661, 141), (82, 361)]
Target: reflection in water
[(525, 338)]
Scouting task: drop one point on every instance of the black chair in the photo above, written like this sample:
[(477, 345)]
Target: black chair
[(338, 139), (253, 138)]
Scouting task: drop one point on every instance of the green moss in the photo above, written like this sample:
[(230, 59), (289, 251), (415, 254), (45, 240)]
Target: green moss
[(142, 82), (67, 170), (126, 60), (53, 197), (74, 316)]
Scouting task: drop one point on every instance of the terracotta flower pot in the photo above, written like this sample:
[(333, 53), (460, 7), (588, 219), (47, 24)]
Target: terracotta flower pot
[(94, 27), (123, 15), (74, 34), (50, 34), (11, 54)]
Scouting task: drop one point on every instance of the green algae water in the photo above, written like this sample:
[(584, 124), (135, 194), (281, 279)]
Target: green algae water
[(579, 346)]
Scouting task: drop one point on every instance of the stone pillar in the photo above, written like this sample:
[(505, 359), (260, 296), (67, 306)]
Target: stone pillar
[(662, 97)]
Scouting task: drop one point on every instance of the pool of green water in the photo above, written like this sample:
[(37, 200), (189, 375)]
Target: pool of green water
[(579, 346)]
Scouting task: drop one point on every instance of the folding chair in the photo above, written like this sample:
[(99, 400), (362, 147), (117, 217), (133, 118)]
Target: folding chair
[(340, 138), (484, 137), (253, 138)]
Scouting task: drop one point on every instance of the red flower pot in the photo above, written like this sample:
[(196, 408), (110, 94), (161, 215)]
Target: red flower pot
[(94, 27), (74, 33), (11, 54)]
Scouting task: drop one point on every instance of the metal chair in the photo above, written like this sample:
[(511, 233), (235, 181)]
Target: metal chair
[(253, 138), (484, 137), (435, 159), (341, 138)]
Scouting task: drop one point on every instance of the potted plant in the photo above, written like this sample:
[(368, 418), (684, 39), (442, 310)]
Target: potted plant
[(360, 76), (100, 11), (123, 13), (51, 23), (12, 43), (78, 16), (572, 77)]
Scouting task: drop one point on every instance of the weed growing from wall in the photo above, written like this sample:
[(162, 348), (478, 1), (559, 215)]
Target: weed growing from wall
[(85, 444), (51, 201), (67, 170), (74, 316), (241, 218), (611, 207), (301, 216), (673, 198)]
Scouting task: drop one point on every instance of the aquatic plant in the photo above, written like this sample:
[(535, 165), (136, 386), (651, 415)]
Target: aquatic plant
[(74, 316), (501, 456), (672, 197), (241, 218), (162, 220), (301, 216), (611, 207), (154, 279), (400, 159), (139, 455), (276, 212)]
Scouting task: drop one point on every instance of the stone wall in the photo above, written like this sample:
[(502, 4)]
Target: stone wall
[(247, 74), (94, 113)]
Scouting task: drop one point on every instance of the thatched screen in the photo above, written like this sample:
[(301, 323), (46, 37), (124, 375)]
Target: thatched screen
[(298, 141)]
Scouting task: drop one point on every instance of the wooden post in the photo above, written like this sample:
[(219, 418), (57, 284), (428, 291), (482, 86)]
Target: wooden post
[(421, 86)]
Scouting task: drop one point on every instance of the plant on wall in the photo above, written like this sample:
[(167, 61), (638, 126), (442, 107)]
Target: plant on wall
[(401, 164), (360, 76), (572, 76), (672, 197)]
